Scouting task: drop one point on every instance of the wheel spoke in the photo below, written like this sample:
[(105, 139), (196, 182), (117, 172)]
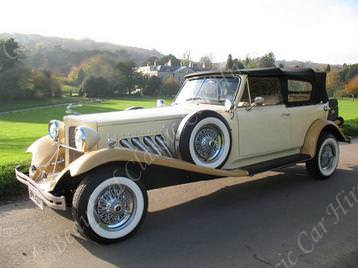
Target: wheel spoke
[(114, 206)]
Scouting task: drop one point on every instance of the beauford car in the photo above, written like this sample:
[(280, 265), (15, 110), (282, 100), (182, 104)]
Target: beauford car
[(221, 124)]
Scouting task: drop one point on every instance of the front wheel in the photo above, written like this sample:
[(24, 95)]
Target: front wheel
[(325, 162), (109, 207)]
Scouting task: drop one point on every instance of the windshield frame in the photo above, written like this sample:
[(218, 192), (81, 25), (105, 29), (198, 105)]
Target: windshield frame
[(238, 77)]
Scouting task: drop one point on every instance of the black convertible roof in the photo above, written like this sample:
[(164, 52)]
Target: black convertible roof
[(317, 79), (301, 74)]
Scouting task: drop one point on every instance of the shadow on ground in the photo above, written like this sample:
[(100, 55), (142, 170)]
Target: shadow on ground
[(252, 224)]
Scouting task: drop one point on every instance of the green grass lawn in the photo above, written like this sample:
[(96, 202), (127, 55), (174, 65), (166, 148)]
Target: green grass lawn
[(348, 109), (19, 130), (24, 104)]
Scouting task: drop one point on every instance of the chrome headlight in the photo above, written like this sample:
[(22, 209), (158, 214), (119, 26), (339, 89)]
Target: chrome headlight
[(85, 138), (80, 138), (54, 129)]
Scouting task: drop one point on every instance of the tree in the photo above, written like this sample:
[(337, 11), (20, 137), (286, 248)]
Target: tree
[(268, 60), (186, 58), (81, 76), (95, 87), (237, 65), (97, 66), (151, 60), (229, 62), (44, 85), (13, 75), (328, 68), (352, 86), (206, 62), (9, 54), (170, 87), (14, 83), (169, 58), (333, 82), (130, 76), (152, 86)]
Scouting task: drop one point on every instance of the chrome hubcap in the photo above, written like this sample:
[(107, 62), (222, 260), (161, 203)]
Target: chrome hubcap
[(209, 143), (327, 157), (115, 207)]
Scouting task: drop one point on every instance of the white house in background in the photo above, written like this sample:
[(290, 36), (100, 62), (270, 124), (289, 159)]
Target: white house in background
[(166, 71)]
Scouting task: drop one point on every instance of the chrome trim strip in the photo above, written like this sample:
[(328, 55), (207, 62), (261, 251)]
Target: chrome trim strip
[(160, 141), (150, 143), (140, 145), (52, 201), (126, 143), (71, 148)]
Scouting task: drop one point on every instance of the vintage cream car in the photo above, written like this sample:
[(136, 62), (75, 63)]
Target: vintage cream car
[(220, 124)]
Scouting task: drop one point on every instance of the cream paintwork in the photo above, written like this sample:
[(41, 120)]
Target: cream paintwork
[(269, 130), (311, 138), (258, 135), (301, 119), (93, 159)]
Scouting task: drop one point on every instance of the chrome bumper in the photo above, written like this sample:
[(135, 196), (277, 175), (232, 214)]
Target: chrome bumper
[(52, 201)]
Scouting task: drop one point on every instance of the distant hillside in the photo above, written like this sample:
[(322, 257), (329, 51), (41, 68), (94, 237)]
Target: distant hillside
[(306, 64), (60, 54)]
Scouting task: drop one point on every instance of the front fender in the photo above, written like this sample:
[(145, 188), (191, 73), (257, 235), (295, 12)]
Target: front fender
[(42, 150), (94, 159), (311, 139), (167, 166)]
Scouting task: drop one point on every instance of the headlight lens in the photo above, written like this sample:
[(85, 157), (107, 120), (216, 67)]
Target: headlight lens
[(54, 129), (80, 139)]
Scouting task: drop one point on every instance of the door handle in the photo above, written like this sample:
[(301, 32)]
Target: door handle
[(285, 114)]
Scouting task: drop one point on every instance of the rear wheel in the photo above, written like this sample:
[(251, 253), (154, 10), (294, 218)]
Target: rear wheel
[(109, 207), (325, 162)]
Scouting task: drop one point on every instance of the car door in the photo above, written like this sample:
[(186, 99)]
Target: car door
[(265, 128), (302, 111)]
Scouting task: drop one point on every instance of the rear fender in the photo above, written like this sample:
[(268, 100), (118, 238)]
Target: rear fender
[(311, 139)]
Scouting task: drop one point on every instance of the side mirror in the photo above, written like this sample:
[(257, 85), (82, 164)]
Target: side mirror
[(160, 103), (259, 100), (229, 105)]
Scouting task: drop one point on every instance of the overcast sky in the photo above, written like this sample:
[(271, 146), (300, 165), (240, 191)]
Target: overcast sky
[(320, 31)]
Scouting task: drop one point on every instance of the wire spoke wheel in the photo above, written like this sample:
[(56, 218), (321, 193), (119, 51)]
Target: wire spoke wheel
[(209, 143), (325, 162), (114, 207)]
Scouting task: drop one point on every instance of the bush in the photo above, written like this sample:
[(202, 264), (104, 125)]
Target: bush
[(96, 87), (8, 183), (44, 85), (350, 127), (152, 86), (170, 87)]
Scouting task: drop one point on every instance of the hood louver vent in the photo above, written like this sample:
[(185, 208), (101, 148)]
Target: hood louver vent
[(155, 145)]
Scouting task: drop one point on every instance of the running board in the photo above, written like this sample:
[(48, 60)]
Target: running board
[(276, 163)]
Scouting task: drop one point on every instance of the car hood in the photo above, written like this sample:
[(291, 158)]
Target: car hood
[(130, 116)]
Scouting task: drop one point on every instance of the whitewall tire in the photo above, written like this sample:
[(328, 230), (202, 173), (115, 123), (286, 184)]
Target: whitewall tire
[(204, 139), (326, 160), (109, 208)]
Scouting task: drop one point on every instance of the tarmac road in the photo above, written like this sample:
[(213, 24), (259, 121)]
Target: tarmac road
[(275, 219)]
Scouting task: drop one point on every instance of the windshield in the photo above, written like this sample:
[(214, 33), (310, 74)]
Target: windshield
[(208, 90)]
